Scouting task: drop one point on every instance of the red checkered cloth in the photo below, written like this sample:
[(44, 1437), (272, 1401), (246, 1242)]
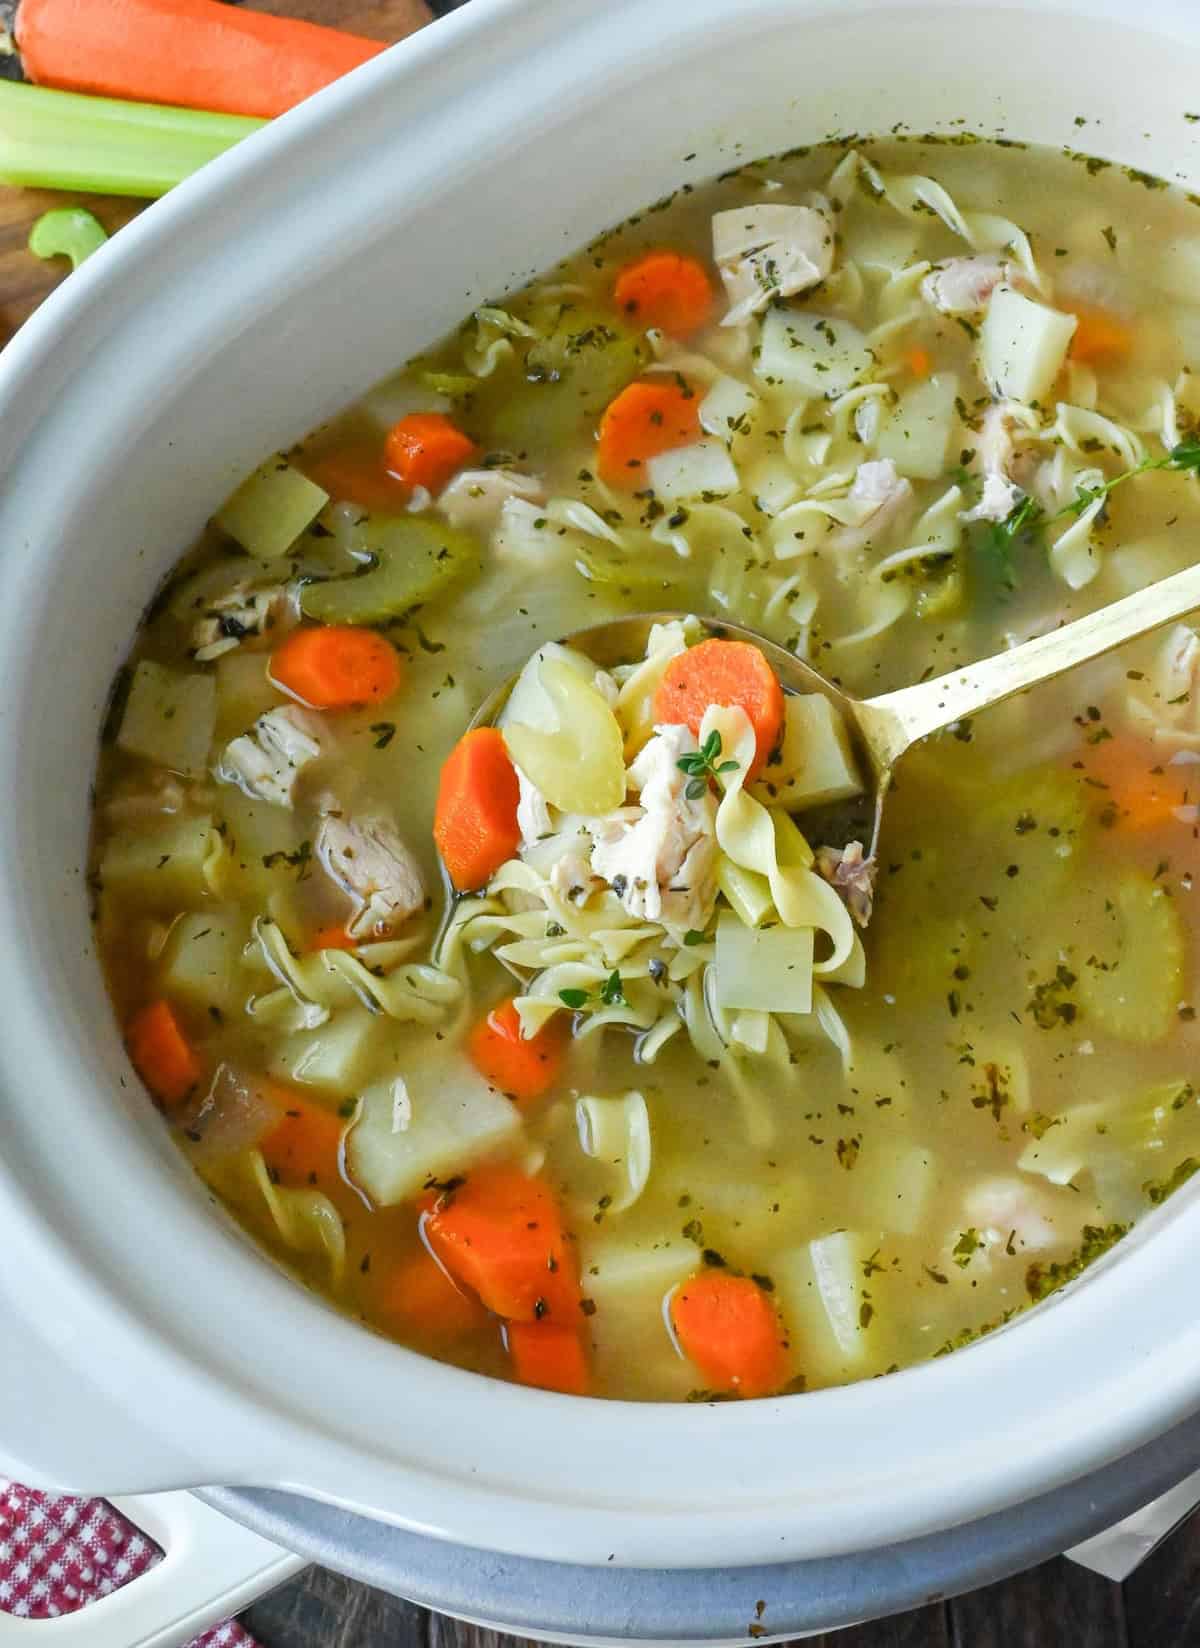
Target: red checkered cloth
[(57, 1555)]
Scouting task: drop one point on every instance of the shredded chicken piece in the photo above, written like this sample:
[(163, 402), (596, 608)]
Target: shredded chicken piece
[(476, 496), (267, 761), (852, 876), (246, 613), (1007, 1208), (996, 448), (370, 862), (661, 863), (1166, 705), (768, 251), (533, 812), (963, 285), (573, 878), (884, 495)]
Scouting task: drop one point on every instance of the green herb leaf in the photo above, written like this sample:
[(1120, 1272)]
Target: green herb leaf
[(694, 936), (574, 999), (612, 993)]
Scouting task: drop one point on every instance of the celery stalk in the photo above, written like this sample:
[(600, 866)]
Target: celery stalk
[(60, 140)]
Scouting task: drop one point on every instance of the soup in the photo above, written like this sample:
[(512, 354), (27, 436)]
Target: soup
[(591, 1046)]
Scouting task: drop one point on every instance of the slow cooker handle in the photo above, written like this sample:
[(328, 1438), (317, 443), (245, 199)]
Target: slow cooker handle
[(211, 1568)]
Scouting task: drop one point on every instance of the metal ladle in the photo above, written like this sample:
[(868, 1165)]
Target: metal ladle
[(884, 729)]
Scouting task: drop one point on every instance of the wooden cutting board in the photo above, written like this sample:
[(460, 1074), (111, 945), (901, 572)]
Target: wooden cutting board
[(25, 280)]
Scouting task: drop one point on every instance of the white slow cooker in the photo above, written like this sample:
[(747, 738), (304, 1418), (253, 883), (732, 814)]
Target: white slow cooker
[(146, 1343)]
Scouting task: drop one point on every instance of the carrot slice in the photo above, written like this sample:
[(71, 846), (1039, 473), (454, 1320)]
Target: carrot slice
[(550, 1356), (332, 937), (303, 1147), (336, 667), (729, 1328), (524, 1069), (161, 1053), (426, 449), (357, 474), (645, 419), (728, 673), (665, 289), (475, 819), (501, 1234), (919, 361), (195, 53), (1135, 789), (418, 1296), (1101, 338)]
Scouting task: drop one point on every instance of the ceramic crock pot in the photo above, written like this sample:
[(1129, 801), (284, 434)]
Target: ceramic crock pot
[(146, 1344)]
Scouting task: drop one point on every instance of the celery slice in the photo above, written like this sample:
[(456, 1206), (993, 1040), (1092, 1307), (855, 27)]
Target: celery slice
[(416, 558), (59, 140), (68, 232)]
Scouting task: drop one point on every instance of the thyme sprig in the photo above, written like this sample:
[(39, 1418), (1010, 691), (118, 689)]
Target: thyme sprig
[(1030, 518), (610, 994), (703, 764)]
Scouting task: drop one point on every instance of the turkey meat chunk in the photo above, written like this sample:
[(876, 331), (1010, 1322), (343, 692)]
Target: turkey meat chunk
[(963, 285), (767, 251), (267, 761), (370, 862)]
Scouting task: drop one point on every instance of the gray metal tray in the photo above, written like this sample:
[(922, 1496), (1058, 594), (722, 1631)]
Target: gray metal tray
[(593, 1605)]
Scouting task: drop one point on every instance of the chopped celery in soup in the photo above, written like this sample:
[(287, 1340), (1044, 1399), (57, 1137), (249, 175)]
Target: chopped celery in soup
[(593, 1048)]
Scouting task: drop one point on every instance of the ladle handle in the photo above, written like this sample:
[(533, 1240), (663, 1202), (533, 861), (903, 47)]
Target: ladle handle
[(897, 720)]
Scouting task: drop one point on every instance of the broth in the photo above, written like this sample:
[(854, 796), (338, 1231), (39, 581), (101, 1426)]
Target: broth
[(902, 465)]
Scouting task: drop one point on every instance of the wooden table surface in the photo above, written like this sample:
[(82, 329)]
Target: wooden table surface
[(1057, 1605)]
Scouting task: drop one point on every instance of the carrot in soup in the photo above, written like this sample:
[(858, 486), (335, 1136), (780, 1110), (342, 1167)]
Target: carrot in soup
[(192, 53), (665, 289), (337, 667), (919, 361), (1101, 338), (524, 1068), (332, 937), (304, 1146), (730, 674), (161, 1053), (1135, 788), (357, 474), (417, 1295), (475, 819), (426, 449), (729, 1328), (645, 419), (501, 1234), (549, 1356)]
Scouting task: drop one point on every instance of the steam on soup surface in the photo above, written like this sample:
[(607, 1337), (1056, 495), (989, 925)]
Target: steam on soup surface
[(648, 1106)]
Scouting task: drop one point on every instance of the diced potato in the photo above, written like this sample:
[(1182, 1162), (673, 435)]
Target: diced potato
[(704, 467), (891, 1185), (816, 764), (169, 718), (767, 969), (243, 690), (161, 869), (202, 962), (821, 1291), (819, 355), (579, 768), (1023, 345), (628, 1282), (270, 509), (1132, 986), (339, 1056), (451, 1120), (917, 435)]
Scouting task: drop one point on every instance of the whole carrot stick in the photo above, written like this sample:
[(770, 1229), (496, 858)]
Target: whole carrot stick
[(197, 54)]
